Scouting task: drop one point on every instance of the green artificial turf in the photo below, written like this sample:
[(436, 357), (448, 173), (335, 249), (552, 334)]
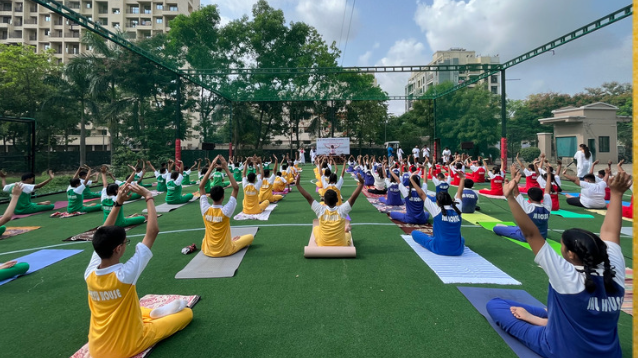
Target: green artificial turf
[(386, 302)]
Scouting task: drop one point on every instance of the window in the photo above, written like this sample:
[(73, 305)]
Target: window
[(115, 25), (135, 10), (494, 89), (47, 32), (147, 10), (116, 11), (159, 7), (172, 8), (88, 5), (89, 48), (603, 144), (47, 46), (566, 146), (47, 18), (494, 79), (159, 20)]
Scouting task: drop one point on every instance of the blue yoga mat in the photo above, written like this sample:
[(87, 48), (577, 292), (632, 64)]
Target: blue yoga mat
[(479, 297), (624, 203), (41, 259), (572, 194)]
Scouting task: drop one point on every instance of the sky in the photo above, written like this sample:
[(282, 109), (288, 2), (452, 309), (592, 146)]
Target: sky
[(408, 32)]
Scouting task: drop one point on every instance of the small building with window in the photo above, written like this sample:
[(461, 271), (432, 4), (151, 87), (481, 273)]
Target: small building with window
[(594, 125)]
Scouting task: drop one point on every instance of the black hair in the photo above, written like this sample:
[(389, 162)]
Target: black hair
[(496, 169), (251, 177), (217, 193), (74, 182), (174, 175), (601, 172), (324, 165), (417, 180), (219, 169), (441, 176), (591, 251), (380, 172), (138, 168), (590, 176), (412, 169), (469, 183), (459, 166), (278, 174), (27, 176), (531, 167), (549, 176), (330, 198), (535, 194), (163, 165), (162, 170), (82, 174), (284, 166), (111, 189), (327, 172), (204, 170), (586, 149), (443, 198), (106, 239), (266, 172), (333, 178)]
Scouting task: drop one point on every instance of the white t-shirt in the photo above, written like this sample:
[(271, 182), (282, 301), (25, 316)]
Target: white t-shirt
[(446, 155), (529, 207), (227, 209), (379, 183), (583, 164), (342, 209), (128, 272), (400, 153), (426, 152), (257, 184), (78, 189), (592, 196), (26, 188), (415, 152)]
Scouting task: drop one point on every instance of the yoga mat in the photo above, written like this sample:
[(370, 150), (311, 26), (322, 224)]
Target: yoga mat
[(88, 235), (41, 259), (383, 208), (467, 268), (408, 228), (167, 208), (286, 191), (153, 192), (14, 231), (148, 301), (263, 216), (492, 196), (629, 231), (314, 251), (476, 218), (479, 297), (202, 266), (553, 244), (64, 214), (571, 214), (60, 204), (490, 225), (628, 302), (624, 203), (603, 212), (572, 194), (370, 195)]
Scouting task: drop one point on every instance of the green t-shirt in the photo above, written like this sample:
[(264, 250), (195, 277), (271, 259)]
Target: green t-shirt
[(237, 174), (24, 201), (173, 190), (218, 179), (76, 201), (251, 170), (161, 181)]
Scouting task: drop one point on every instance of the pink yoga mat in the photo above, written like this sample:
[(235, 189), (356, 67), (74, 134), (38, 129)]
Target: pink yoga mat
[(314, 251)]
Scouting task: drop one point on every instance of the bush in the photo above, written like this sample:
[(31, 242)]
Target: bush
[(529, 154)]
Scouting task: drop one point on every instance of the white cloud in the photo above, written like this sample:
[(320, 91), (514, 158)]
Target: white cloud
[(364, 60), (327, 16), (403, 52), (376, 45)]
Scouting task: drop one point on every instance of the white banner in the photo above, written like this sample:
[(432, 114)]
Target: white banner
[(333, 146)]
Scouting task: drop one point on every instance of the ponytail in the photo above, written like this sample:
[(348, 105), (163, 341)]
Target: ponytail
[(442, 199), (592, 251), (587, 152)]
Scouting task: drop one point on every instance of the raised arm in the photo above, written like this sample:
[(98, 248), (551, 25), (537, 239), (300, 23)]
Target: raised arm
[(418, 189), (357, 191), (343, 169), (459, 191), (548, 184), (202, 183), (152, 229), (51, 176), (527, 226), (571, 178), (610, 230), (77, 172), (103, 173), (243, 175), (15, 195), (518, 160), (194, 165), (303, 191), (233, 183), (151, 166)]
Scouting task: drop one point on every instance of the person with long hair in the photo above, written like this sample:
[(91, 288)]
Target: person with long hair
[(586, 287), (414, 211), (446, 227), (583, 158)]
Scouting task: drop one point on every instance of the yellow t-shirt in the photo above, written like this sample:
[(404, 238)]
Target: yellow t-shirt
[(279, 184), (217, 241), (265, 192), (332, 224), (251, 196), (116, 328)]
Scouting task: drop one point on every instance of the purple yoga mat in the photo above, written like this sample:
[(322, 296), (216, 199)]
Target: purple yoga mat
[(479, 297)]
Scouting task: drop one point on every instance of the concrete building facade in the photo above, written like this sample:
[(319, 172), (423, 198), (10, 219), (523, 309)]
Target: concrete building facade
[(594, 125), (23, 21), (419, 82)]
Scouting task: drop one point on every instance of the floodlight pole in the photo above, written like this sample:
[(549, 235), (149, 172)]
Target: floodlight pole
[(230, 131), (178, 113), (503, 124), (434, 145)]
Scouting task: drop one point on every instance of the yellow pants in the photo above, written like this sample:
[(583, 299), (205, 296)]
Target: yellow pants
[(321, 242), (271, 198), (235, 246), (262, 206)]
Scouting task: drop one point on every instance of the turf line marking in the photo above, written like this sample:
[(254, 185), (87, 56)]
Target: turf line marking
[(43, 247)]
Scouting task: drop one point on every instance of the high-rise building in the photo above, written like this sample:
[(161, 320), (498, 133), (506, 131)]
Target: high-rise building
[(419, 82), (23, 21)]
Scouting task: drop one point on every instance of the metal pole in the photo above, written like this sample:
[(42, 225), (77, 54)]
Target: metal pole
[(178, 119), (32, 127), (503, 124), (435, 146), (230, 131)]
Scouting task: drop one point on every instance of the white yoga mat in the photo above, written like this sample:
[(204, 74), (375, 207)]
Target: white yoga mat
[(167, 208), (202, 266), (467, 268), (629, 231), (263, 216), (153, 192)]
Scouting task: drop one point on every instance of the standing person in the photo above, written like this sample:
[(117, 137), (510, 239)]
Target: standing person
[(313, 154), (25, 206), (446, 227), (416, 153), (302, 156), (217, 241), (119, 327), (390, 152), (446, 154), (400, 154), (426, 152), (586, 287), (583, 160)]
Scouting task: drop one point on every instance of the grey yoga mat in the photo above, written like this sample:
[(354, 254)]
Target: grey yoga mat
[(202, 266)]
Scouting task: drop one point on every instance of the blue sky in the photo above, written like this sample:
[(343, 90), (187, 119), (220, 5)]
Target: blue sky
[(408, 33)]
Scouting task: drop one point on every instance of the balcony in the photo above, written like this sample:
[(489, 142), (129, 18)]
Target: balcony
[(31, 22), (57, 22), (103, 11), (71, 35), (15, 35), (19, 9), (33, 37), (33, 9)]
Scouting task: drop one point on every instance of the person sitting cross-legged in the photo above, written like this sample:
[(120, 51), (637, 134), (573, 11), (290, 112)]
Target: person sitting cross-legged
[(174, 186), (333, 228), (217, 241), (25, 206), (11, 269), (119, 327)]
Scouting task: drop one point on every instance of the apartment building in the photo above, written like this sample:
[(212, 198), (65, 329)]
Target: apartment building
[(23, 21), (419, 82)]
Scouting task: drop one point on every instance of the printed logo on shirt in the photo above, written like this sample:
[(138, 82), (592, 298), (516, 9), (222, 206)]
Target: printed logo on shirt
[(541, 216), (214, 219), (451, 218), (105, 295), (609, 304)]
